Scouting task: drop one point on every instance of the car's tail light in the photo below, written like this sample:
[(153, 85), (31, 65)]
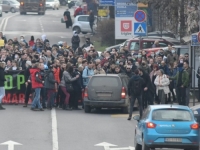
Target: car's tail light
[(150, 125), (194, 126), (123, 93), (41, 4), (86, 93), (22, 3)]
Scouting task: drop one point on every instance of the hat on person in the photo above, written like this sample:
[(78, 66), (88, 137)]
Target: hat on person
[(28, 63)]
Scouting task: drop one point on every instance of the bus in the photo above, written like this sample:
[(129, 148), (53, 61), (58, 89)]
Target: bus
[(37, 6)]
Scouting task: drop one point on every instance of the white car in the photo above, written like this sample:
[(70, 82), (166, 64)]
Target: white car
[(52, 4), (81, 24), (0, 11)]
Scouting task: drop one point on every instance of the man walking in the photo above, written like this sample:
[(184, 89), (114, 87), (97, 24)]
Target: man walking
[(189, 71), (135, 87)]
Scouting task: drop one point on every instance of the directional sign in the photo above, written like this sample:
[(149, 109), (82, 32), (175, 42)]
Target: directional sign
[(140, 16), (107, 2), (10, 144), (195, 40), (107, 146), (140, 29)]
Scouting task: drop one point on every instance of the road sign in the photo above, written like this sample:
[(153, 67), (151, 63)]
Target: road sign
[(107, 146), (107, 2), (195, 40), (10, 144), (140, 28), (140, 16), (125, 8), (198, 37)]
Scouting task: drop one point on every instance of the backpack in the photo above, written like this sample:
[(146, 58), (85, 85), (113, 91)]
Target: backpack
[(137, 87)]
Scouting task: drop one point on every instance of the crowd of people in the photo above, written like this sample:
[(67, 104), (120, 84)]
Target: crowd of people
[(59, 73)]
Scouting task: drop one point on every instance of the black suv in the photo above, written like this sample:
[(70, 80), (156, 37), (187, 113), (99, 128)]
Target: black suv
[(107, 91)]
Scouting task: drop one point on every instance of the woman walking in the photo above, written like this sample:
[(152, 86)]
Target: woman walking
[(162, 86), (2, 79), (66, 78)]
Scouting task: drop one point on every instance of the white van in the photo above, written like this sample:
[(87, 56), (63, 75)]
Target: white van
[(52, 4)]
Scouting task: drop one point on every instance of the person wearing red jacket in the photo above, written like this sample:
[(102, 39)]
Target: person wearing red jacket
[(32, 41), (78, 11), (37, 84)]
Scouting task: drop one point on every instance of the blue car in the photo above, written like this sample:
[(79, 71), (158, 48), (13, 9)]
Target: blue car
[(166, 126)]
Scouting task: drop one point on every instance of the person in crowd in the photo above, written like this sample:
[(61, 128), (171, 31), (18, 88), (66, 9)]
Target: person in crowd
[(91, 21), (27, 82), (75, 41), (87, 43), (162, 86), (148, 92), (2, 80), (8, 65), (66, 78), (156, 44), (3, 37), (88, 72), (198, 76), (37, 84), (186, 57), (164, 67), (32, 41), (172, 73), (145, 67), (153, 75), (78, 11), (135, 88), (182, 81), (50, 85), (99, 70), (189, 71), (67, 19), (14, 66), (128, 71)]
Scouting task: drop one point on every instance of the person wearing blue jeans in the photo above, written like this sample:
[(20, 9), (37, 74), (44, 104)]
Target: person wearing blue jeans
[(36, 100)]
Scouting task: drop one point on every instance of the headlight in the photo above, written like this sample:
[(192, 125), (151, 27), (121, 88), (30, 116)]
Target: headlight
[(17, 6)]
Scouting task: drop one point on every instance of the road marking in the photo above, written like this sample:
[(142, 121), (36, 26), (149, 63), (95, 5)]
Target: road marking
[(108, 145), (122, 115), (2, 23), (5, 24), (10, 144), (54, 130)]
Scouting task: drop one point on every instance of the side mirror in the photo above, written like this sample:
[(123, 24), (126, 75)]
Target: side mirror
[(137, 117)]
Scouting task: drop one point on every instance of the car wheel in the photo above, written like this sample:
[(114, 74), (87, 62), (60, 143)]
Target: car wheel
[(77, 29), (137, 146), (144, 147), (126, 109), (13, 10), (6, 11), (87, 109), (57, 8)]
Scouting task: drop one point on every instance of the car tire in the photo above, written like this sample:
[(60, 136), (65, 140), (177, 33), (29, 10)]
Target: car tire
[(77, 29), (87, 109), (57, 8), (6, 11), (126, 109), (137, 146), (144, 147), (13, 10)]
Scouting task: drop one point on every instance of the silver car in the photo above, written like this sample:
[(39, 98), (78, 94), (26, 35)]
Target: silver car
[(10, 6)]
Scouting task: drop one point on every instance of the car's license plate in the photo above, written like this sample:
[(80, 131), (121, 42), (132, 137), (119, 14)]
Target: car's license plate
[(173, 139), (104, 94)]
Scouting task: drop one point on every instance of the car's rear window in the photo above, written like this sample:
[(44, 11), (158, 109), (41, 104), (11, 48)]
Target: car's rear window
[(171, 115), (102, 81)]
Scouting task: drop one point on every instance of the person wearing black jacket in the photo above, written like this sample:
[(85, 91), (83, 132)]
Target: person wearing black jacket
[(135, 86), (2, 79), (147, 96), (77, 93), (91, 20), (75, 41), (27, 82)]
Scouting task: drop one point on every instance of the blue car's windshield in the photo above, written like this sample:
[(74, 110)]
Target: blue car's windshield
[(171, 115)]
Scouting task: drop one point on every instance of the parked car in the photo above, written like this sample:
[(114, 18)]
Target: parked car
[(52, 4), (196, 112), (162, 34), (167, 126), (81, 24), (1, 11), (117, 47), (136, 43), (71, 4), (10, 6), (107, 91)]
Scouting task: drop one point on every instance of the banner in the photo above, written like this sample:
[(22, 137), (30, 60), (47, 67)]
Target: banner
[(15, 87)]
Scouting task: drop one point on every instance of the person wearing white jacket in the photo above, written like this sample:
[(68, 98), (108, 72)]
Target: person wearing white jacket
[(162, 86)]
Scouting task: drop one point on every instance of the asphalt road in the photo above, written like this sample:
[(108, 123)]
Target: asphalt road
[(58, 129)]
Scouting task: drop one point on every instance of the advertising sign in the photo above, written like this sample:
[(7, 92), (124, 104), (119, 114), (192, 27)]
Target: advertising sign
[(195, 39), (107, 2)]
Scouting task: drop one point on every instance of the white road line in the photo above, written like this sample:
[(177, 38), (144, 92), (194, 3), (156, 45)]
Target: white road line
[(5, 24), (54, 130), (2, 23)]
